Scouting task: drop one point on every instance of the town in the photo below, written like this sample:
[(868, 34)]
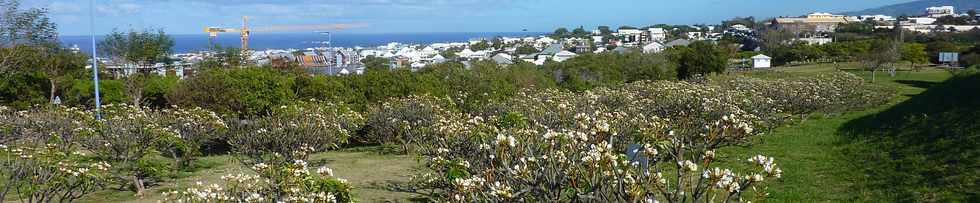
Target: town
[(563, 44)]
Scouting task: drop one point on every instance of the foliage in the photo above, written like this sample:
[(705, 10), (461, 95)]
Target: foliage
[(479, 46), (41, 159), (312, 126), (195, 129), (526, 49), (373, 63), (563, 146), (30, 27), (143, 48), (594, 70), (278, 182), (81, 92), (402, 121), (242, 92), (699, 58)]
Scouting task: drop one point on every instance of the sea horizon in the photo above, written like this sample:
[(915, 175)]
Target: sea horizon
[(187, 43)]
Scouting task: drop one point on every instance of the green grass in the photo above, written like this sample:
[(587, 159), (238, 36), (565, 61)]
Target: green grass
[(816, 159), (924, 148), (371, 174)]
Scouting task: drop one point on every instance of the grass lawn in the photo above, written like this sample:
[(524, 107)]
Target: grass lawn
[(812, 152), (369, 173)]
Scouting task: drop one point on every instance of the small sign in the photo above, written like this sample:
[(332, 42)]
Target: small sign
[(949, 57)]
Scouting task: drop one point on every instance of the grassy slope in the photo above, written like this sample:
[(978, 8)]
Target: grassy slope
[(925, 148), (812, 152)]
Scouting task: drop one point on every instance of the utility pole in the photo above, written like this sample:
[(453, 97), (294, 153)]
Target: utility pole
[(95, 61)]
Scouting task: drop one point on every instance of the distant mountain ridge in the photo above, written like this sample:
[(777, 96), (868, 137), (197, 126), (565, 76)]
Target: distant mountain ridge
[(918, 7)]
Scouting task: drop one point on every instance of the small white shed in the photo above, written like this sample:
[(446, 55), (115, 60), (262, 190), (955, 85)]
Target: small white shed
[(761, 61)]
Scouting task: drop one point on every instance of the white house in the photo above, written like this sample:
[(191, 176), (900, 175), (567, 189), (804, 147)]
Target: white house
[(654, 47), (564, 55), (466, 53), (761, 61)]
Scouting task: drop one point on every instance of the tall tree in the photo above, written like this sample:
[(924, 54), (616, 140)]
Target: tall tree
[(560, 33), (883, 54), (700, 58), (58, 62), (142, 49), (21, 33), (914, 53)]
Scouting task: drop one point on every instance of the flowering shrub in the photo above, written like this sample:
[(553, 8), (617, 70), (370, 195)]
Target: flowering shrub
[(402, 121), (305, 127), (128, 136), (276, 182), (478, 160), (644, 141), (40, 160), (194, 127), (832, 92)]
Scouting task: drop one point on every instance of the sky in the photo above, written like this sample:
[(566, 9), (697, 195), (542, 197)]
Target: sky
[(420, 16)]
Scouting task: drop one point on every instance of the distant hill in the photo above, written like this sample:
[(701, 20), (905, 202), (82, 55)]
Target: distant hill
[(918, 7)]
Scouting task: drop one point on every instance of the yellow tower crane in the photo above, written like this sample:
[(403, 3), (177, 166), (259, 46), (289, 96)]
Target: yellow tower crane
[(246, 31)]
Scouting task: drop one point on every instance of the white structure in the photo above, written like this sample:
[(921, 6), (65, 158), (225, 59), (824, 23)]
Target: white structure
[(940, 11), (816, 40), (922, 21), (878, 18), (657, 34), (761, 61), (629, 35), (654, 47), (564, 55)]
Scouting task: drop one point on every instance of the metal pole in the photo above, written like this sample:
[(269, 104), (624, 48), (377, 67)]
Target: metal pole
[(95, 61)]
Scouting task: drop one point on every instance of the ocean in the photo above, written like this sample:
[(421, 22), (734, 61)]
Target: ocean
[(262, 41)]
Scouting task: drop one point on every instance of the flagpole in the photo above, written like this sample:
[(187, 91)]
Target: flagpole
[(95, 61)]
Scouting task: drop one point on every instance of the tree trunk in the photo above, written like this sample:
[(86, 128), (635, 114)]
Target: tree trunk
[(54, 87), (138, 184), (873, 76)]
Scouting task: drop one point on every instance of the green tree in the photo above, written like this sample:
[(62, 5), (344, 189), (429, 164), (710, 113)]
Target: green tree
[(373, 63), (883, 54), (560, 33), (580, 32), (22, 32), (479, 46), (914, 53), (604, 30), (58, 63), (143, 49), (526, 49), (244, 92), (700, 58)]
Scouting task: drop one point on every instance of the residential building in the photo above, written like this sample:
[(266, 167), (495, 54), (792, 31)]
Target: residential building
[(563, 56), (940, 11), (657, 34), (653, 47), (814, 22), (630, 35), (503, 59)]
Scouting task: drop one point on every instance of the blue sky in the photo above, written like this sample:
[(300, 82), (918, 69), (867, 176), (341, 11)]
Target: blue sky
[(400, 16)]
